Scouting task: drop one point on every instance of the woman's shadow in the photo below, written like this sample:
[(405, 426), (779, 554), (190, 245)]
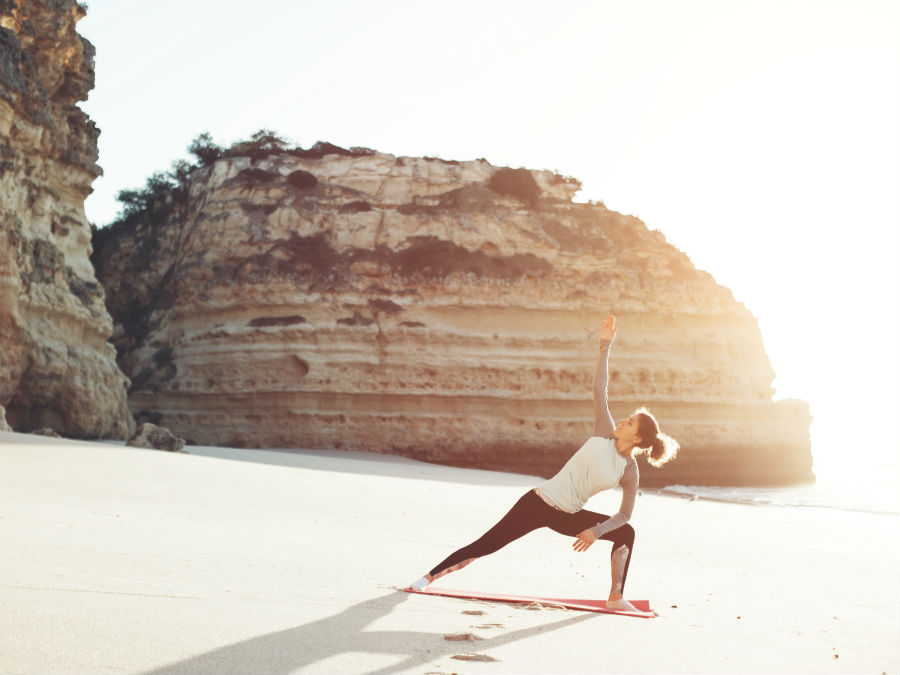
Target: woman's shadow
[(291, 649)]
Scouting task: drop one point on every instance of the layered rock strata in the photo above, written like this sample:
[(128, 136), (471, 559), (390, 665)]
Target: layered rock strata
[(442, 310), (57, 368)]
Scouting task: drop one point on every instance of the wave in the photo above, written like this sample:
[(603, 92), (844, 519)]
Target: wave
[(882, 499)]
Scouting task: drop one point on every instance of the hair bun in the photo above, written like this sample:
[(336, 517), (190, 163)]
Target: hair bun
[(663, 449)]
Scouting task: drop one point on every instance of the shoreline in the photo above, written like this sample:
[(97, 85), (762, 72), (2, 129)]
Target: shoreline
[(685, 492), (120, 559), (674, 491)]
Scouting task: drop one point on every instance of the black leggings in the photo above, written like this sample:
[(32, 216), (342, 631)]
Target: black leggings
[(530, 513)]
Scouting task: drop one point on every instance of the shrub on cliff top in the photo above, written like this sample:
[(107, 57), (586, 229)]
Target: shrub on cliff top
[(261, 144), (321, 148), (165, 188), (264, 143), (154, 196), (205, 149)]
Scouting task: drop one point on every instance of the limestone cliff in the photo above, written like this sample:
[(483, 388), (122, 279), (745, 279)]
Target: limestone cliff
[(437, 309), (57, 368)]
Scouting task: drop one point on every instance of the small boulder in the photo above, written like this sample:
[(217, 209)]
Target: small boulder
[(150, 436)]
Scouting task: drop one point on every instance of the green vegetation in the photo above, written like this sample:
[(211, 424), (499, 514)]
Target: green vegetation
[(165, 190)]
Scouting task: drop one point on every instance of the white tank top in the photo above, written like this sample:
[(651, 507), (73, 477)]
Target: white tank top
[(595, 467)]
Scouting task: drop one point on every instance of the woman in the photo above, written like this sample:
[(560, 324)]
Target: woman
[(605, 460)]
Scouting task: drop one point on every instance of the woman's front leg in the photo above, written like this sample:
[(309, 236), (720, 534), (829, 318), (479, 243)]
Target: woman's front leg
[(521, 519)]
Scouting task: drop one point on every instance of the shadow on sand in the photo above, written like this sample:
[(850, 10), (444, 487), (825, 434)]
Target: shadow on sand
[(292, 649), (367, 463)]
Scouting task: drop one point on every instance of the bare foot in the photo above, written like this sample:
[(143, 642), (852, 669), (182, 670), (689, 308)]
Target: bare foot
[(621, 605)]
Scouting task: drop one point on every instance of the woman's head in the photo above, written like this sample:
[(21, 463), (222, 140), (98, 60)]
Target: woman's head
[(642, 429)]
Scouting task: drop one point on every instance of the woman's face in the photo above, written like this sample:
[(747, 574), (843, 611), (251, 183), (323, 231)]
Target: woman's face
[(626, 430)]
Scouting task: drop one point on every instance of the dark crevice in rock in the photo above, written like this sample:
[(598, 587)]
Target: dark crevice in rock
[(266, 321), (518, 183), (302, 180), (356, 320), (152, 379), (312, 259), (385, 306), (431, 257), (358, 206), (163, 357), (47, 260), (86, 291), (10, 63)]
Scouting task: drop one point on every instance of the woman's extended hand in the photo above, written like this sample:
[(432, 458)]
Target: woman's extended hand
[(583, 541), (608, 328)]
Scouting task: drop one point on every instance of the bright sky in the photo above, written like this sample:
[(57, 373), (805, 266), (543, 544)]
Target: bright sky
[(761, 138)]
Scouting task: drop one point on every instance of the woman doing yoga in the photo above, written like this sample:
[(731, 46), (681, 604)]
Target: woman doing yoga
[(607, 459)]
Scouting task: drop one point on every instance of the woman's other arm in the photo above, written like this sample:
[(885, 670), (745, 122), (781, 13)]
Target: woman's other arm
[(603, 422), (629, 485)]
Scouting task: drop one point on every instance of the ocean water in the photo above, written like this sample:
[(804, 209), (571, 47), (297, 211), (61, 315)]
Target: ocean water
[(872, 487)]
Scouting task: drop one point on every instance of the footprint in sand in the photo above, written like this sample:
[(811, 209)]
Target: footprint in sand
[(489, 625), (460, 637), (473, 612), (542, 605), (473, 657)]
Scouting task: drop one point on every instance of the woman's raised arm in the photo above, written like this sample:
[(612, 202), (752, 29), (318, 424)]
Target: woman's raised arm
[(603, 422)]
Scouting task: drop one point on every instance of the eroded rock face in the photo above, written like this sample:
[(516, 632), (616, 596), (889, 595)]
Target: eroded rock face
[(445, 311), (57, 368)]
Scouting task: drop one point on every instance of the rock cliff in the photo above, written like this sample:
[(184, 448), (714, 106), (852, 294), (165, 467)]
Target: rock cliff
[(57, 368), (437, 309)]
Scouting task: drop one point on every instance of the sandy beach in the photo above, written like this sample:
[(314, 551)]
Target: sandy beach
[(123, 560)]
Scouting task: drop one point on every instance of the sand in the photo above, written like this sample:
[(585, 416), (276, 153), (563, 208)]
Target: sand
[(124, 560)]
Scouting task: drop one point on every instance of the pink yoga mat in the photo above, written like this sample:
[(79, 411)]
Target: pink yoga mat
[(643, 606)]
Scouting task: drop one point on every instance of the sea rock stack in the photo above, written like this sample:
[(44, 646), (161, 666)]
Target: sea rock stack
[(441, 310), (57, 368)]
